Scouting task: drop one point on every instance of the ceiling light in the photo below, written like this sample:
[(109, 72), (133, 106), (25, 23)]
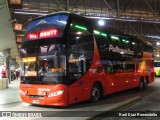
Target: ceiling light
[(101, 22)]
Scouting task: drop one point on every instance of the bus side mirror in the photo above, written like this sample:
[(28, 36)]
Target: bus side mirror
[(99, 69)]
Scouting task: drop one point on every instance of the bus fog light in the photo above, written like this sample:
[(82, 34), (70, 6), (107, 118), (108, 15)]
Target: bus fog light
[(56, 93)]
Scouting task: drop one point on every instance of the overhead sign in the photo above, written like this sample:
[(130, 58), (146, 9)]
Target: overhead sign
[(18, 46), (29, 59), (15, 4), (17, 26), (43, 34), (19, 39), (48, 33)]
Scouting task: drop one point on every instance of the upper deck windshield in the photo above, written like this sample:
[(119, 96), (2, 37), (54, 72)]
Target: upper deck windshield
[(43, 54), (46, 27)]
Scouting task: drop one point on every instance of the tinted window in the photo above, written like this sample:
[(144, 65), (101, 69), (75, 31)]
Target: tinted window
[(51, 26), (116, 66), (157, 64), (102, 44), (80, 49)]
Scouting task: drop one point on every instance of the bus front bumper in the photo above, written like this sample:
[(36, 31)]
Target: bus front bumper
[(60, 100)]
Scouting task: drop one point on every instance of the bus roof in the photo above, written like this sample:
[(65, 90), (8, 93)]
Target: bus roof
[(107, 29), (62, 12)]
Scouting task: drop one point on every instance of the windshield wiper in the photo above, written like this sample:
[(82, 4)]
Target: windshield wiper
[(49, 83)]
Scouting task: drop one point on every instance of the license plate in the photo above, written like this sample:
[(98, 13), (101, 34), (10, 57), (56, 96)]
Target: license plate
[(35, 101)]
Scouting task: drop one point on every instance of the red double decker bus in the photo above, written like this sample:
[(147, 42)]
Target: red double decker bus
[(67, 59)]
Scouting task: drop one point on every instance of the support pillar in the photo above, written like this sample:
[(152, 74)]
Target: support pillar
[(7, 57)]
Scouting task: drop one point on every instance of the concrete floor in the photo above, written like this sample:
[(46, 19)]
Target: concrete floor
[(11, 94), (10, 101), (148, 104)]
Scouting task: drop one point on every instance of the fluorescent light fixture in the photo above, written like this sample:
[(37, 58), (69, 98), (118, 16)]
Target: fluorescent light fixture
[(104, 34), (123, 40), (114, 37), (31, 10), (96, 32), (30, 13), (155, 37), (81, 27)]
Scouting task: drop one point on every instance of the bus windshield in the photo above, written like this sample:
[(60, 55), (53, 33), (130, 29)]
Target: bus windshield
[(157, 67), (157, 64), (43, 64)]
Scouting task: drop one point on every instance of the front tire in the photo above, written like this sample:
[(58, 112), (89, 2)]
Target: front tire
[(96, 93)]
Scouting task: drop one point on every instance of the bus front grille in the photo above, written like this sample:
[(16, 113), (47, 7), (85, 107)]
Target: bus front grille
[(36, 96)]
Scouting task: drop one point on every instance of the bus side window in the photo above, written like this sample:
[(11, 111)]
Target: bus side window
[(141, 46), (80, 46), (109, 68)]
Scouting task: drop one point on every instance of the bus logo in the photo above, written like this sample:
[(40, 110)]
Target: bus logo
[(119, 50)]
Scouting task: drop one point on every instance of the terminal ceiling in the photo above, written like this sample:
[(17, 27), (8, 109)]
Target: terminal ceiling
[(140, 18)]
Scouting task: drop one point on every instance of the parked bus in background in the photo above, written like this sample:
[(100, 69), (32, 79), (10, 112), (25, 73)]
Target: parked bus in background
[(82, 61), (157, 67)]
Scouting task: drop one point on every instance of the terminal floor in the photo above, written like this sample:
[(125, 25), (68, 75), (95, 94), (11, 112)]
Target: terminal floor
[(11, 94), (10, 101)]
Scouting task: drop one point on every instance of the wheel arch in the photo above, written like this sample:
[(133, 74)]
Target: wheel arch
[(100, 84)]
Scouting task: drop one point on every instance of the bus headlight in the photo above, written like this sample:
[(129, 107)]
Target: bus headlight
[(56, 93), (23, 92)]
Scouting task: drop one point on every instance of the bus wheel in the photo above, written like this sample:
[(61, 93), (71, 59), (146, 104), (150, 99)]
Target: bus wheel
[(96, 93), (141, 84)]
